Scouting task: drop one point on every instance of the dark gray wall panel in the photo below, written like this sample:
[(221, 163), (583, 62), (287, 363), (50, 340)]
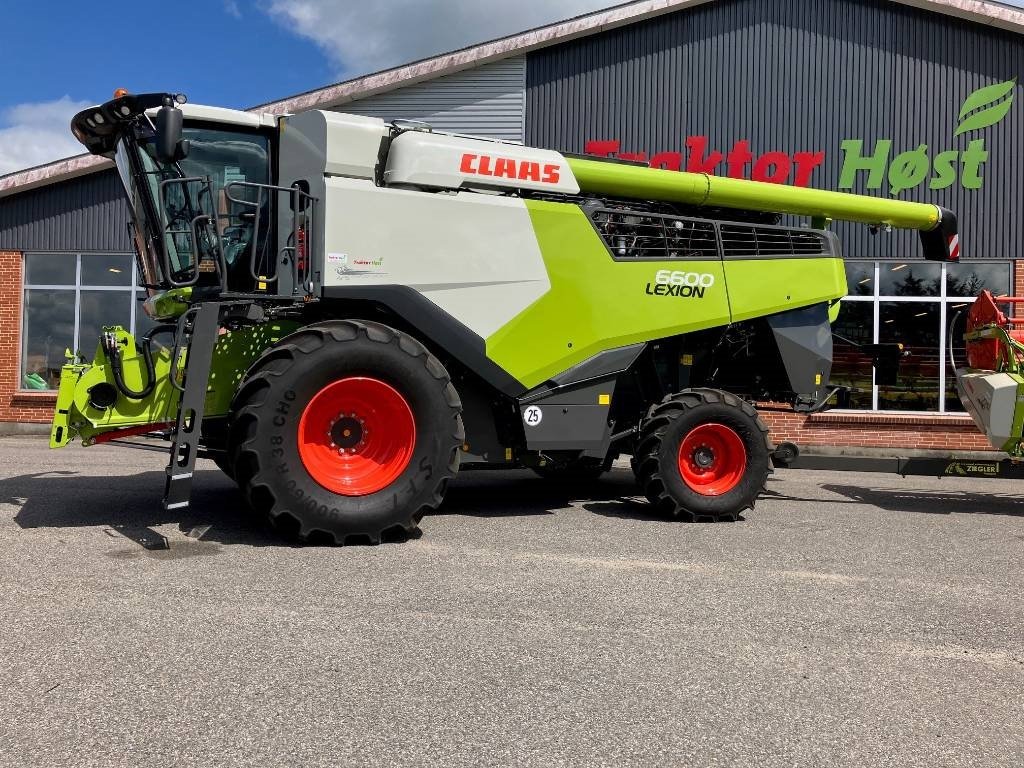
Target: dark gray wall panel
[(483, 101), (84, 214), (798, 75)]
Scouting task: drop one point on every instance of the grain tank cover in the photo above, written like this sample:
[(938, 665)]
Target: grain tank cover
[(439, 160), (333, 143)]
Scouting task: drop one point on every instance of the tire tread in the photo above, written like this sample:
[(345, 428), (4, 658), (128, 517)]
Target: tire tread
[(274, 363), (660, 417)]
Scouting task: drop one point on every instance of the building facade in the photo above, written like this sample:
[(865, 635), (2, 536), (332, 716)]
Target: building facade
[(914, 100)]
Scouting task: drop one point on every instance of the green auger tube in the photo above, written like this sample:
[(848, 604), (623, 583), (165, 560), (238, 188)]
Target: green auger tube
[(937, 225)]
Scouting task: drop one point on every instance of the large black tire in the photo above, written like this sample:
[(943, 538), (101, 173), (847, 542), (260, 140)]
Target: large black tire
[(225, 465), (273, 471), (703, 483)]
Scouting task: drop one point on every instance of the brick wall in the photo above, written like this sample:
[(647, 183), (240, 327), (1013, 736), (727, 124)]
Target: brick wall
[(938, 432), (15, 405)]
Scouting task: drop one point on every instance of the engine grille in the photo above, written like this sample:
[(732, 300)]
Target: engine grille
[(752, 242), (634, 235), (630, 235)]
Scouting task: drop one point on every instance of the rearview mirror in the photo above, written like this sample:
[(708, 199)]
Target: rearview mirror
[(169, 146)]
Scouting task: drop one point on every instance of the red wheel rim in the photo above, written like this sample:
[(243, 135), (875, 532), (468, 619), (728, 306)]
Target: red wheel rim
[(712, 459), (356, 436)]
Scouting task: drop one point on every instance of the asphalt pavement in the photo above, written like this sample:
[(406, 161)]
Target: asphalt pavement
[(849, 620)]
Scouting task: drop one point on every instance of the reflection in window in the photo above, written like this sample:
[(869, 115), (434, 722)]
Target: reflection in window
[(63, 292), (956, 320), (97, 309), (850, 366), (909, 279), (50, 269), (860, 278), (915, 325), (103, 269), (48, 330), (971, 278), (916, 304)]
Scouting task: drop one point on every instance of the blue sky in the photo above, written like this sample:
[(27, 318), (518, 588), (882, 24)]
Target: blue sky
[(75, 49), (232, 53), (62, 55)]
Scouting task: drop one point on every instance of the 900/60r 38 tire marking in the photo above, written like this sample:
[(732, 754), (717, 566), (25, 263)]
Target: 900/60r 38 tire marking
[(703, 454), (318, 378)]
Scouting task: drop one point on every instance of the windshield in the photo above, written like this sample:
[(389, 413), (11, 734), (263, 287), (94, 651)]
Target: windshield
[(198, 203), (150, 272)]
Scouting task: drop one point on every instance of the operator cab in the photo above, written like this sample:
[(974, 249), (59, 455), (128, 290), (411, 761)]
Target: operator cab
[(217, 175), (204, 211)]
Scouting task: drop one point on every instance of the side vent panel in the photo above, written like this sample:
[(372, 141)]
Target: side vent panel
[(745, 242), (632, 235)]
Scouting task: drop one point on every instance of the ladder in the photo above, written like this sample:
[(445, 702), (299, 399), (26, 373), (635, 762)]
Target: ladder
[(197, 334)]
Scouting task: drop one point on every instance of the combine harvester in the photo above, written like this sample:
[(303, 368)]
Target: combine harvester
[(351, 310)]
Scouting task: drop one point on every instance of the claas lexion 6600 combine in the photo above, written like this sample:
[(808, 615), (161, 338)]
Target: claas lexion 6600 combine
[(346, 311)]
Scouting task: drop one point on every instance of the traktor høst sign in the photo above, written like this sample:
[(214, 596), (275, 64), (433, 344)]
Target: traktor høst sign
[(881, 166)]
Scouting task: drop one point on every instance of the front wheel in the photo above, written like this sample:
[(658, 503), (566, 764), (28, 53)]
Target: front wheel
[(703, 454), (346, 431)]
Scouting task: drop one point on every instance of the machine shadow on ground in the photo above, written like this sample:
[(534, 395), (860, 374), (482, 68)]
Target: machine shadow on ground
[(911, 499), (513, 493), (129, 506), (931, 502)]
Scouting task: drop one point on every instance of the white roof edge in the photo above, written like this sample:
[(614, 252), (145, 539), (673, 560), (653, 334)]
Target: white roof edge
[(980, 11), (993, 14), (42, 175)]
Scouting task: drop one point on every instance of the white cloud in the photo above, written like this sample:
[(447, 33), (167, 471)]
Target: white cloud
[(36, 133), (366, 36), (231, 8)]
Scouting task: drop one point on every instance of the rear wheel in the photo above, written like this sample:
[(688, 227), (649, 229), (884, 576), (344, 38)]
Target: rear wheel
[(703, 454), (345, 432)]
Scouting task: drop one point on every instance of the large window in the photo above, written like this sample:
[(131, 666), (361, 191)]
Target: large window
[(915, 304), (68, 298)]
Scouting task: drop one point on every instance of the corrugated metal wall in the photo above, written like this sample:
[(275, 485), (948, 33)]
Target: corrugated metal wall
[(799, 75), (485, 101), (83, 214)]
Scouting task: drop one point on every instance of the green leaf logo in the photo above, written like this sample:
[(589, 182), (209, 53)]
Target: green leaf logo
[(986, 106)]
